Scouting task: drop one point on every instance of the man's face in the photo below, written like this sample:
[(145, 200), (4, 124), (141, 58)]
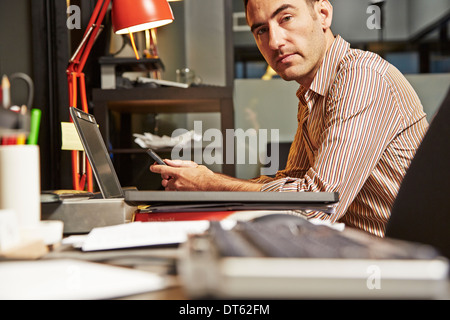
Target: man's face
[(290, 35)]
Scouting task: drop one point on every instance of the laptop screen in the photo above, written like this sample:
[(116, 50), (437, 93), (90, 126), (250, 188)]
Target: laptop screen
[(97, 154)]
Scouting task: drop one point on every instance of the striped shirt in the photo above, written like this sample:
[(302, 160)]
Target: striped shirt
[(363, 125)]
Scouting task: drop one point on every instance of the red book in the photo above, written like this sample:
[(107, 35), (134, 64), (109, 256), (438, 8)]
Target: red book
[(181, 216)]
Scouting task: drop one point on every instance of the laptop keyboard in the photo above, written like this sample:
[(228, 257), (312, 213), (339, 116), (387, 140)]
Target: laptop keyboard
[(288, 236)]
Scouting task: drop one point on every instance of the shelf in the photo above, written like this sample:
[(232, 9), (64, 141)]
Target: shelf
[(143, 100), (199, 93), (162, 150)]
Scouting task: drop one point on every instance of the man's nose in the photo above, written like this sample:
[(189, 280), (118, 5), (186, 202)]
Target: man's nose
[(276, 39)]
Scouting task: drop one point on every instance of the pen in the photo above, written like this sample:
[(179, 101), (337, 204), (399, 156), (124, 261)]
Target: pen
[(35, 121), (21, 139), (6, 92)]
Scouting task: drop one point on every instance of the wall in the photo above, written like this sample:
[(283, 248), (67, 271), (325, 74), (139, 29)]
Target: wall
[(350, 20), (431, 89), (205, 40), (206, 49), (421, 13), (172, 42), (263, 105), (403, 18), (15, 43)]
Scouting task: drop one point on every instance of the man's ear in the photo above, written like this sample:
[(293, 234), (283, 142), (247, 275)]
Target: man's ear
[(325, 13)]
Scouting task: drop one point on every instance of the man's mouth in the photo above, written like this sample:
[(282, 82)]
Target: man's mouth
[(285, 58)]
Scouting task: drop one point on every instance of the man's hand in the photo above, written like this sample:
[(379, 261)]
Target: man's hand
[(184, 175)]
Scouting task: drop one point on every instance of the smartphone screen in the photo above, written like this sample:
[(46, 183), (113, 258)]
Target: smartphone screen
[(155, 156)]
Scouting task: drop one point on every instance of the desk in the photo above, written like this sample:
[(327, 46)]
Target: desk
[(161, 100), (164, 261), (160, 260)]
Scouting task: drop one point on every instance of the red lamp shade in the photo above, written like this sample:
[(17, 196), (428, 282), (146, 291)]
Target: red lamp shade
[(137, 15)]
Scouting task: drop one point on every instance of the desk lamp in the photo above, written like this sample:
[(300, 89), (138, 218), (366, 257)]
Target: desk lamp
[(128, 16)]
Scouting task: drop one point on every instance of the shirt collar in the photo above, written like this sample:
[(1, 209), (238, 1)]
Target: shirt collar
[(329, 67)]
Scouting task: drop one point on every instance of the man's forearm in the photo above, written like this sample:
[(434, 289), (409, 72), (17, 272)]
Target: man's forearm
[(227, 183), (189, 176)]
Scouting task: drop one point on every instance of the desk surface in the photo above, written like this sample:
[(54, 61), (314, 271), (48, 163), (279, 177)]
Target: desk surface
[(159, 260)]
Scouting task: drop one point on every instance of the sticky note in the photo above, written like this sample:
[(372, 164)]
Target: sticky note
[(70, 138)]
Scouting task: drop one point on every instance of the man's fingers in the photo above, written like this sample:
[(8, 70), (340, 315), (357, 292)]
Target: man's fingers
[(161, 169), (165, 183), (168, 185), (172, 166), (181, 163), (178, 174)]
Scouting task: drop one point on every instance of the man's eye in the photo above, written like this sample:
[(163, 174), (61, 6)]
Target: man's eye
[(286, 18), (261, 31)]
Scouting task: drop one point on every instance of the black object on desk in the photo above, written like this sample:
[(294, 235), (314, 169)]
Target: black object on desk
[(421, 210)]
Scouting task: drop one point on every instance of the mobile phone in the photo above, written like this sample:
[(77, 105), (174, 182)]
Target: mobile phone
[(155, 156)]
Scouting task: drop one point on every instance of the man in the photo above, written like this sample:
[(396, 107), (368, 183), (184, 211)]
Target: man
[(360, 122)]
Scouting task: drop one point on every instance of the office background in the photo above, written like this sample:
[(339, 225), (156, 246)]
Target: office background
[(210, 37)]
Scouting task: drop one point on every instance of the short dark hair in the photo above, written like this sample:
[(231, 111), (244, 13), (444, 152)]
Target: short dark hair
[(311, 2)]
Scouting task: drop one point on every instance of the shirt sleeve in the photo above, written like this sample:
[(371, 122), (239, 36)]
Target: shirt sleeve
[(361, 118)]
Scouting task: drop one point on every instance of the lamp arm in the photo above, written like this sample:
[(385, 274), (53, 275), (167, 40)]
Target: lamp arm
[(78, 60), (81, 46), (74, 73)]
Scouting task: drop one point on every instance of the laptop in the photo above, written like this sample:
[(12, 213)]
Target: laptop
[(164, 201), (287, 258)]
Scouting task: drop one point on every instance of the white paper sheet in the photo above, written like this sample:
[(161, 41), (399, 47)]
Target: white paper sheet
[(138, 234), (72, 280)]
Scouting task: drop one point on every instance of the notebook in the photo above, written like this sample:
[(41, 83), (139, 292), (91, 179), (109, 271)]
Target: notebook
[(110, 187)]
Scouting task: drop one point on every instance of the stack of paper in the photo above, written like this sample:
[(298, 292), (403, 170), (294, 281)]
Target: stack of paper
[(139, 234)]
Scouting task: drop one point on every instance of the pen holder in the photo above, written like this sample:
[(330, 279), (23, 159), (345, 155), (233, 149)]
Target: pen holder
[(20, 183)]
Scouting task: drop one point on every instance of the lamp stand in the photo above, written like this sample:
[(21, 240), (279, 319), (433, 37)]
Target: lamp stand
[(81, 169)]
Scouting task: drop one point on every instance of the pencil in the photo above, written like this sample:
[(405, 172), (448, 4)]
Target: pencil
[(6, 92), (21, 139)]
